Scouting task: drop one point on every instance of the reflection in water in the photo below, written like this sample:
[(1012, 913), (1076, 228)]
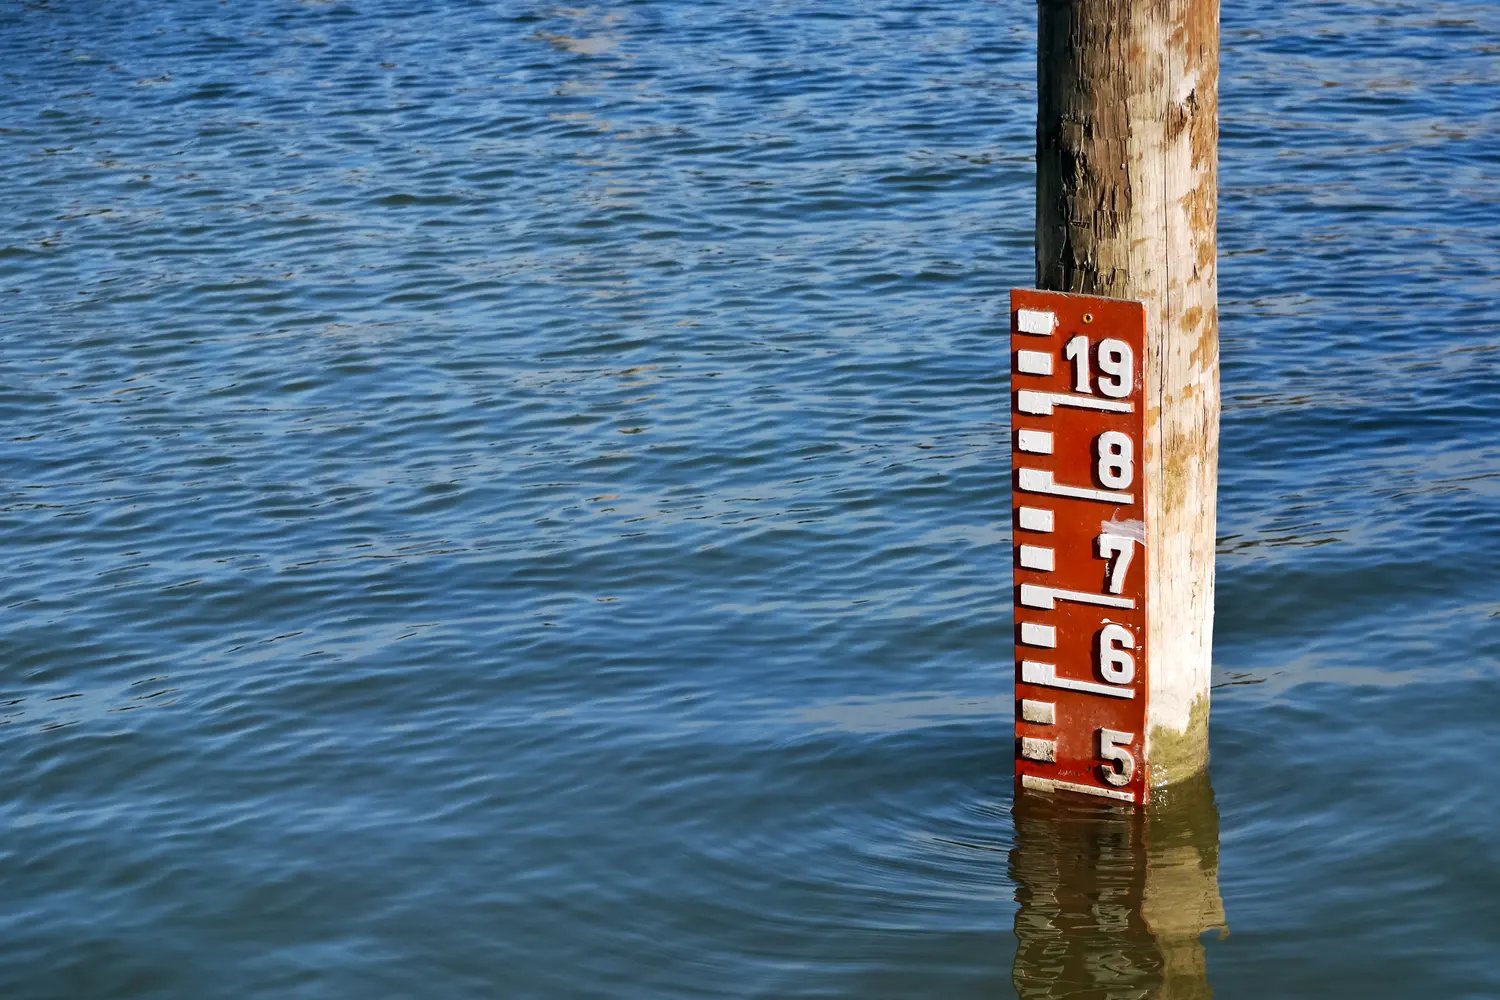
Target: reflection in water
[(1112, 903)]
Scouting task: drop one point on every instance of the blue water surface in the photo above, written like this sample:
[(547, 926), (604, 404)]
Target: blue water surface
[(511, 500)]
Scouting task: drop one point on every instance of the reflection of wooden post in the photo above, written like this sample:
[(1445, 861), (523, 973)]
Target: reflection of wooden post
[(1127, 165), (1181, 898), (1113, 903)]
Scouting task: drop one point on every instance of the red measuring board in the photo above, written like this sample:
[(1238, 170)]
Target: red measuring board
[(1078, 502)]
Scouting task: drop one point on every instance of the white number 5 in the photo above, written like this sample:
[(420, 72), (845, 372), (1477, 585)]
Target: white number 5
[(1121, 766)]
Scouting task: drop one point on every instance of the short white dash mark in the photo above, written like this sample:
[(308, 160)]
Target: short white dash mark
[(1043, 713), (1035, 519), (1033, 634), (1041, 750), (1037, 321), (1033, 363), (1035, 442), (1037, 557)]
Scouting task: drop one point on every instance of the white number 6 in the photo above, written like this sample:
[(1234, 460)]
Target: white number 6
[(1116, 665)]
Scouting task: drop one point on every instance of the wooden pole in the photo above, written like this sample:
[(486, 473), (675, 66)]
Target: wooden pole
[(1127, 174)]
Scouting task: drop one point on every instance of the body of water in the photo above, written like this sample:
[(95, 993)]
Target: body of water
[(509, 500)]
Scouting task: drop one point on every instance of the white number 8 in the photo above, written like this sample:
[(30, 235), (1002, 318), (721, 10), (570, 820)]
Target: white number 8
[(1114, 457)]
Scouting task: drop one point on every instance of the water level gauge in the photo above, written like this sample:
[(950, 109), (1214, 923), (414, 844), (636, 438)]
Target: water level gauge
[(1080, 529)]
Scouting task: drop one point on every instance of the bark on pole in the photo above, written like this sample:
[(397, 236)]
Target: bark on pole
[(1127, 180)]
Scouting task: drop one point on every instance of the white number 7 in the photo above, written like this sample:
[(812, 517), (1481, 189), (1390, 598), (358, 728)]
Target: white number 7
[(1122, 550)]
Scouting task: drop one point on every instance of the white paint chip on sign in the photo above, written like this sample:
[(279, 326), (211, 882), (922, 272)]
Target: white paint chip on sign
[(1033, 363), (1038, 321), (1035, 442), (1035, 519), (1037, 557), (1134, 530)]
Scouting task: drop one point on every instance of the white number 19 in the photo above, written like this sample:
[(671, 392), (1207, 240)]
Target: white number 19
[(1114, 360)]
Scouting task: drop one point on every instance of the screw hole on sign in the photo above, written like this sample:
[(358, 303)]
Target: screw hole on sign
[(1088, 317)]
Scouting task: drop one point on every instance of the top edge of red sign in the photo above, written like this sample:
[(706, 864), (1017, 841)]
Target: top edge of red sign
[(1076, 296)]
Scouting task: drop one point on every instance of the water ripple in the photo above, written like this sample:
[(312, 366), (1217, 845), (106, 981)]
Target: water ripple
[(510, 499)]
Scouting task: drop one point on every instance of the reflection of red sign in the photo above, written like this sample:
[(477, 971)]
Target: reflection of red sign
[(1077, 460)]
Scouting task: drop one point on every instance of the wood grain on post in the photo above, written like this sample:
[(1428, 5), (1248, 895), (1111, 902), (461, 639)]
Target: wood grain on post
[(1127, 173)]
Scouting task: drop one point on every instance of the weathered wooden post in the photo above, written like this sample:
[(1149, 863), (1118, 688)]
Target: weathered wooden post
[(1113, 651)]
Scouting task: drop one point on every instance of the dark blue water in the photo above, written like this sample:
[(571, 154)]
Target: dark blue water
[(505, 500)]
